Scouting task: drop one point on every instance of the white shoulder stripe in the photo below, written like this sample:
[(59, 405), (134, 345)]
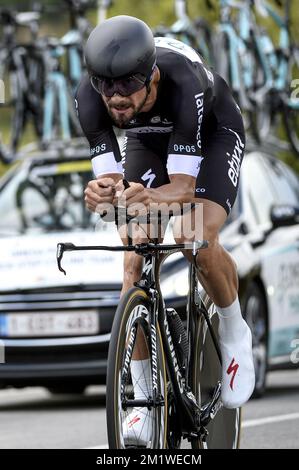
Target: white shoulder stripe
[(185, 164), (179, 47), (106, 163)]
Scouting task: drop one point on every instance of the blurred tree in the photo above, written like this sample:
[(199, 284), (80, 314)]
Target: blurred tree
[(158, 11)]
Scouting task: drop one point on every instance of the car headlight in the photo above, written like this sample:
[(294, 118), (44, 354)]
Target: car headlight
[(175, 285)]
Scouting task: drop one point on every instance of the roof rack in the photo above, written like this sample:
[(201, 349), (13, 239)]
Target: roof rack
[(57, 150)]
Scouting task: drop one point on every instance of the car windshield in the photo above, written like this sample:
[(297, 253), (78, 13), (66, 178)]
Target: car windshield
[(47, 197)]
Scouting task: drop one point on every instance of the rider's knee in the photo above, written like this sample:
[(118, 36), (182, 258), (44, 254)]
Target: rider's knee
[(206, 258), (209, 232)]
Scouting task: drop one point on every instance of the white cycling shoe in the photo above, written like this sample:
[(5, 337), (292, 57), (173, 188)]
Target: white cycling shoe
[(238, 375), (137, 427)]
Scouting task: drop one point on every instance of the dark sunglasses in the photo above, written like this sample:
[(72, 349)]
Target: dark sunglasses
[(123, 86)]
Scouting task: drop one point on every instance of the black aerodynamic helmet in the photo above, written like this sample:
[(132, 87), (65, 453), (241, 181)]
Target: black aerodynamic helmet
[(120, 46)]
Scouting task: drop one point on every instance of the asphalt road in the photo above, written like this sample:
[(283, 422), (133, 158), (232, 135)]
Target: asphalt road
[(33, 419)]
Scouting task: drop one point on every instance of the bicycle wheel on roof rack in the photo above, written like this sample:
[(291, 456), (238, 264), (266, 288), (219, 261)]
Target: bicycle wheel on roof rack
[(12, 108)]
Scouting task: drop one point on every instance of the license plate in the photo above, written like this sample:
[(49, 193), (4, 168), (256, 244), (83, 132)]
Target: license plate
[(49, 324)]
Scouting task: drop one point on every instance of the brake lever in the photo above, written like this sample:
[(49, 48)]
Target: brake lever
[(61, 248)]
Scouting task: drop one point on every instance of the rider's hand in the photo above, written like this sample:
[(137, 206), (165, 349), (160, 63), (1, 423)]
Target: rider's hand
[(135, 198), (99, 193)]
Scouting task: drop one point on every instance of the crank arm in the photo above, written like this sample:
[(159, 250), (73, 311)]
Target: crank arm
[(209, 411)]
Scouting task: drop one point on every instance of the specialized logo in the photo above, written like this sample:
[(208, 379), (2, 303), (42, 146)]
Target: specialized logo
[(180, 379), (154, 358), (147, 267), (232, 368), (148, 176), (199, 106), (235, 159), (140, 311), (133, 421)]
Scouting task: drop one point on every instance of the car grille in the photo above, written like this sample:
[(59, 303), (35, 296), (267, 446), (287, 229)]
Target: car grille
[(102, 299)]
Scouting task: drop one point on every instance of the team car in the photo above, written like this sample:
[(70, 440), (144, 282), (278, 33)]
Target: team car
[(55, 329)]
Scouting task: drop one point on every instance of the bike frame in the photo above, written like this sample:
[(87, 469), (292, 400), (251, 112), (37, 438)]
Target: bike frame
[(193, 418)]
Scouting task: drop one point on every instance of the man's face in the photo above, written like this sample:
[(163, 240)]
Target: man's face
[(123, 108)]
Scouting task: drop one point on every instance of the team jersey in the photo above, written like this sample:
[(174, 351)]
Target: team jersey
[(192, 102)]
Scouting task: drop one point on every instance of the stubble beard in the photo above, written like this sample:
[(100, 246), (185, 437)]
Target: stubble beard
[(121, 121)]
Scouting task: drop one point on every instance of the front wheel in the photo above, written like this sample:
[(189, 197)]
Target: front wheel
[(132, 321), (224, 430)]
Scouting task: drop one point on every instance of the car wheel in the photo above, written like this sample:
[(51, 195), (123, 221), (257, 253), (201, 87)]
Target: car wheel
[(256, 316), (67, 389)]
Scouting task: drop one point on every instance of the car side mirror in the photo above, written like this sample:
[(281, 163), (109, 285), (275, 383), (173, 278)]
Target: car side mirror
[(283, 215)]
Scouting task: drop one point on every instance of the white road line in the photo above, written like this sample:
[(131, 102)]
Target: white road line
[(270, 419), (105, 446), (246, 424)]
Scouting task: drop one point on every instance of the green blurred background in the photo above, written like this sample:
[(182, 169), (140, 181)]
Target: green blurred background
[(154, 12)]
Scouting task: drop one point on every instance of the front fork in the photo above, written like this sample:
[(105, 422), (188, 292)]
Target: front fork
[(148, 284)]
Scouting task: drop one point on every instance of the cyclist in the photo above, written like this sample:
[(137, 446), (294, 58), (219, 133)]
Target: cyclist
[(184, 142)]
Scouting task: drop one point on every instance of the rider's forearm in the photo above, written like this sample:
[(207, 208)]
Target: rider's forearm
[(171, 193)]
